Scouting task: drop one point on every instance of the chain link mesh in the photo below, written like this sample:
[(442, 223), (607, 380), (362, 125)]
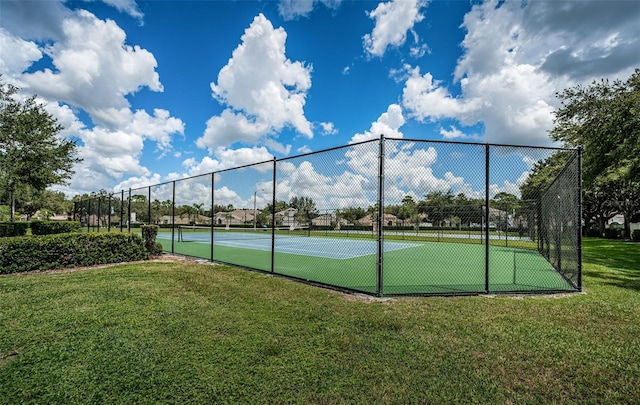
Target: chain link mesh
[(385, 217)]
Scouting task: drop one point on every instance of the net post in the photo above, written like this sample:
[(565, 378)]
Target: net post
[(579, 219), (380, 220), (273, 217), (173, 216), (486, 220)]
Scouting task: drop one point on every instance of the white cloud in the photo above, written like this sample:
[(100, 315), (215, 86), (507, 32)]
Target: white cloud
[(388, 124), (264, 91), (17, 54), (425, 99), (128, 6), (455, 133), (229, 158), (328, 128), (95, 69), (393, 20), (304, 149), (518, 55), (293, 9), (419, 51)]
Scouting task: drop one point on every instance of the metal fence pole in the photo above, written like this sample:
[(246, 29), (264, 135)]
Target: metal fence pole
[(213, 201), (109, 215), (380, 220), (486, 220), (579, 218), (149, 205), (173, 217), (129, 211), (273, 218), (121, 208)]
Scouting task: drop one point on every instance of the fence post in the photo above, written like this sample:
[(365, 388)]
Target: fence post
[(273, 218), (213, 204), (579, 219), (486, 220), (129, 212), (173, 216), (380, 220), (149, 205), (121, 208), (109, 215)]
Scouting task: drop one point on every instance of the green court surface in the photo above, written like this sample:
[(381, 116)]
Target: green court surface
[(417, 268)]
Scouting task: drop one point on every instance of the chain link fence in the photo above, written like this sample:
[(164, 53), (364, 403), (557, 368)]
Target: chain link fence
[(384, 217)]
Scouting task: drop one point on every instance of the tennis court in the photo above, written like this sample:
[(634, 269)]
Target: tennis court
[(410, 267)]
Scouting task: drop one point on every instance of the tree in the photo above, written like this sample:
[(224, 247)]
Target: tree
[(31, 152), (306, 209), (437, 205), (604, 118)]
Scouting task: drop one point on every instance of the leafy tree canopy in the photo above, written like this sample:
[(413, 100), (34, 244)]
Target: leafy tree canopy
[(31, 152)]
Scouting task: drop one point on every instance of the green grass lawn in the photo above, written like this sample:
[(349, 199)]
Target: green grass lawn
[(198, 333)]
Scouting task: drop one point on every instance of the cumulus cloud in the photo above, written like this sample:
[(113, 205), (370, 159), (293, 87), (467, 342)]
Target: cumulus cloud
[(293, 9), (92, 69), (93, 59), (516, 56), (127, 6), (387, 124), (328, 128), (17, 54), (392, 22), (263, 90)]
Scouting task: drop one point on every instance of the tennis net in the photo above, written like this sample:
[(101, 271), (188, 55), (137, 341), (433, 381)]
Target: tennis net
[(194, 233)]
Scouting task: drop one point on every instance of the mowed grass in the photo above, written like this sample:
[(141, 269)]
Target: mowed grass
[(198, 333)]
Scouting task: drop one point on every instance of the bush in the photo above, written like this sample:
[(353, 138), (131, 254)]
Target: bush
[(9, 229), (593, 232), (635, 235), (149, 233), (612, 233), (47, 252), (53, 227)]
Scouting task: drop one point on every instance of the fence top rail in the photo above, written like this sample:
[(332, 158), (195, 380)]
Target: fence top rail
[(480, 144), (328, 150)]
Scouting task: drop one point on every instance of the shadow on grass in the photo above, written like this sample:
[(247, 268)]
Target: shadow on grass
[(622, 258)]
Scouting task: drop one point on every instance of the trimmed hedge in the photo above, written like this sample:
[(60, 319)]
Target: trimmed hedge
[(9, 229), (635, 235), (53, 227), (30, 253)]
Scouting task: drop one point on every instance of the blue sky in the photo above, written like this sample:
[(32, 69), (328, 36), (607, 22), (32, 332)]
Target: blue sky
[(159, 90)]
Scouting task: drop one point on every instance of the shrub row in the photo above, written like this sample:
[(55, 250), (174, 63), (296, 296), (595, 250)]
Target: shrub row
[(53, 227), (8, 229), (635, 235), (30, 253)]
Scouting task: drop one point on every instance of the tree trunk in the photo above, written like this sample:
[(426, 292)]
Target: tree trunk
[(601, 225), (13, 206), (627, 227)]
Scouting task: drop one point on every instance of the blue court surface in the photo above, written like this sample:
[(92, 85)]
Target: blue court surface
[(331, 248)]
